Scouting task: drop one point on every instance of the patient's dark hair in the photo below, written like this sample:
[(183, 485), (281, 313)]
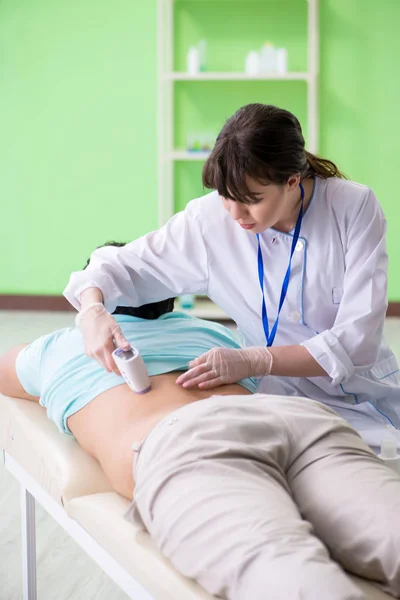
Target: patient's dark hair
[(147, 311)]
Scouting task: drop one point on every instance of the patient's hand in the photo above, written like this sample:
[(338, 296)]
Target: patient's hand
[(221, 366), (101, 335)]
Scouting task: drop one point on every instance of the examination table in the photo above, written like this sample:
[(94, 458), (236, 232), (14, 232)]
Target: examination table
[(53, 470)]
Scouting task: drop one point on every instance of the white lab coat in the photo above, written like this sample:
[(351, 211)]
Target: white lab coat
[(335, 305)]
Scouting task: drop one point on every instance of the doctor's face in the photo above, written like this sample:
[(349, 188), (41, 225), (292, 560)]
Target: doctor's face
[(274, 207)]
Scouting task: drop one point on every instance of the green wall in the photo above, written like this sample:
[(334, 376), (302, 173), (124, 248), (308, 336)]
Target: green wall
[(78, 112), (77, 134), (359, 103)]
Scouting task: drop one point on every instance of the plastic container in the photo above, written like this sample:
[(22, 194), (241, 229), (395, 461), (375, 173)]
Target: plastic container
[(193, 143), (252, 63), (187, 301), (268, 58), (200, 142), (207, 141), (281, 61), (193, 60), (389, 454)]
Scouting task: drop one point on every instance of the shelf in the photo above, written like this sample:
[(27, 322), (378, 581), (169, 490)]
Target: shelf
[(186, 155), (177, 164), (206, 309), (263, 1), (236, 76)]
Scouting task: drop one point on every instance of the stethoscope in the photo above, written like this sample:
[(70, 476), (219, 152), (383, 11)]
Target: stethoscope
[(270, 335)]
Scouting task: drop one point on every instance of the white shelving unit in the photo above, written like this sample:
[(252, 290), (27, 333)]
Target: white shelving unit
[(233, 76), (167, 153), (186, 155)]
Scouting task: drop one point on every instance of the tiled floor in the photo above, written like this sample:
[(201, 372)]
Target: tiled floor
[(65, 572)]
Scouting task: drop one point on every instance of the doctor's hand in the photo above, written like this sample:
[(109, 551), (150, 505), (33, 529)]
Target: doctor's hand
[(101, 336), (220, 366)]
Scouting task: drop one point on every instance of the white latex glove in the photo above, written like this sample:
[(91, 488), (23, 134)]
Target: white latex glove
[(220, 366), (101, 336)]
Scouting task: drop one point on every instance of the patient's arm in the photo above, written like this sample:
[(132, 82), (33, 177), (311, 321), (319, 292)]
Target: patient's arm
[(9, 382)]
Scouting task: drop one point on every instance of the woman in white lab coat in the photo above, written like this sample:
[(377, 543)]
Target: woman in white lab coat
[(283, 235)]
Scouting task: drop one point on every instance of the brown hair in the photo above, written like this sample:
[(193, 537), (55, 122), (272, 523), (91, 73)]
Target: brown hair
[(265, 143)]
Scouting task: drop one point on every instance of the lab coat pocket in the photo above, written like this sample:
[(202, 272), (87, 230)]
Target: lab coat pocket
[(386, 370), (337, 295)]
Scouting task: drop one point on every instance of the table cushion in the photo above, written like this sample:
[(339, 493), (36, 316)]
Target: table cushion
[(101, 515), (55, 461), (76, 481)]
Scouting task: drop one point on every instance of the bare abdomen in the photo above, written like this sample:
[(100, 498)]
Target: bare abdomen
[(109, 425)]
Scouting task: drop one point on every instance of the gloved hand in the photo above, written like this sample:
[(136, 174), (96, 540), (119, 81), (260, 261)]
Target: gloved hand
[(101, 336), (220, 366)]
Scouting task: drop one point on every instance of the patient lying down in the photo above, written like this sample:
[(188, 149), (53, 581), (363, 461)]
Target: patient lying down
[(253, 496)]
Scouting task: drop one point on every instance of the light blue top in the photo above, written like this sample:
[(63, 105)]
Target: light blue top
[(56, 368)]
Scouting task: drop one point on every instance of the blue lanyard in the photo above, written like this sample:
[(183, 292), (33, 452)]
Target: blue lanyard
[(271, 336)]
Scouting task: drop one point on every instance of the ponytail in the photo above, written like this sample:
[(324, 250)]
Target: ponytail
[(322, 167), (265, 143)]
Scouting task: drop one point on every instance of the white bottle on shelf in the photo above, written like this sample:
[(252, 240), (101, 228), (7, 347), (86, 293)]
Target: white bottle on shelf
[(252, 64), (193, 60), (281, 59), (268, 58)]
